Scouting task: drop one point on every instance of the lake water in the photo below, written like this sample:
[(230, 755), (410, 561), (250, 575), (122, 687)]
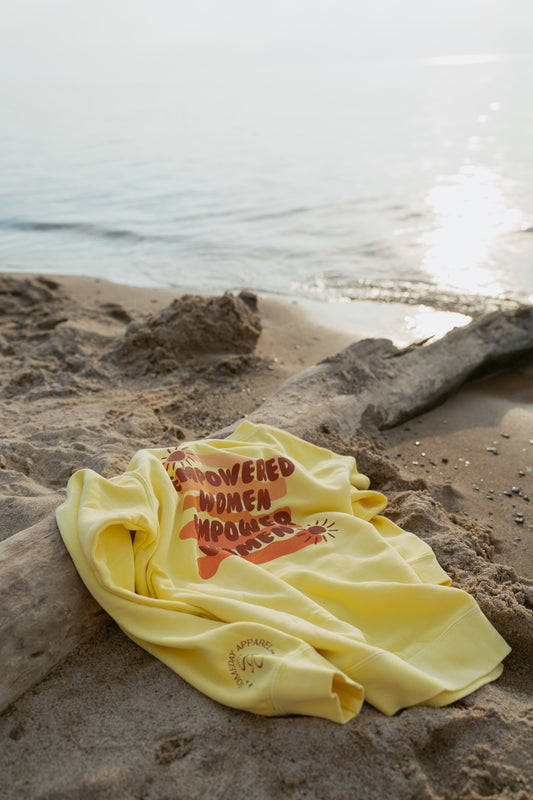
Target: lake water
[(406, 181)]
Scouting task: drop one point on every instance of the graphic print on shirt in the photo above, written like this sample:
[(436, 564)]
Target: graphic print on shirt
[(236, 503)]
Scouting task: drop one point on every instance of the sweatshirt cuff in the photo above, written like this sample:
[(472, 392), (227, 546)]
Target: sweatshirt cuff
[(429, 570), (308, 684)]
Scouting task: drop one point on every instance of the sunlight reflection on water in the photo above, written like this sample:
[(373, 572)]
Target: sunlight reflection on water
[(471, 215), (427, 322)]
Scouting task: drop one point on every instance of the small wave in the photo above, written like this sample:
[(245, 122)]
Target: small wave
[(359, 205), (412, 293), (82, 228), (282, 214)]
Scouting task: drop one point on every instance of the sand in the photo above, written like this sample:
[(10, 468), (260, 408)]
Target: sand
[(111, 721)]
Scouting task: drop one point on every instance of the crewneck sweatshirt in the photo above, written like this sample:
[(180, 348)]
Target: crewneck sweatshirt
[(261, 569)]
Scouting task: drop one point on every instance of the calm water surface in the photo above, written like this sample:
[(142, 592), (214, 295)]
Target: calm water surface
[(408, 181)]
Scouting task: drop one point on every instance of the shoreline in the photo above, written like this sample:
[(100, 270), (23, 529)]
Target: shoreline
[(403, 323), (67, 405)]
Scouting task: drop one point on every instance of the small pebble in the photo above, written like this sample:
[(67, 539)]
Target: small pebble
[(515, 489), (56, 386), (444, 460), (490, 497), (506, 435), (475, 487), (508, 494), (519, 520), (493, 450)]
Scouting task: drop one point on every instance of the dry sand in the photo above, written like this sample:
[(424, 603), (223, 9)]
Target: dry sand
[(111, 721)]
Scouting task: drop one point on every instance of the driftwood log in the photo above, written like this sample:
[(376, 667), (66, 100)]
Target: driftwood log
[(45, 609), (372, 382)]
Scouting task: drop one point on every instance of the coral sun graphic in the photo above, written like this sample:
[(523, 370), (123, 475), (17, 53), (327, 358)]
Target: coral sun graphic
[(319, 532), (183, 455)]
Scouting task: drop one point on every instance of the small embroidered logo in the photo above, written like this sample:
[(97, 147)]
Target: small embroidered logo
[(244, 660)]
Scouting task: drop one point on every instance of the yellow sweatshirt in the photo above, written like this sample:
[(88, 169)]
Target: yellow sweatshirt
[(260, 569)]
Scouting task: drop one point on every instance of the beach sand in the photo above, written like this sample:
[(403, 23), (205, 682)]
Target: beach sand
[(111, 721)]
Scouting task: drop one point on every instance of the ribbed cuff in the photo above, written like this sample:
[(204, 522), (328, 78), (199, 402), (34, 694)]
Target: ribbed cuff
[(429, 570), (308, 684), (466, 656)]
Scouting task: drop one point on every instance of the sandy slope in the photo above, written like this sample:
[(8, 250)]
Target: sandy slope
[(111, 721)]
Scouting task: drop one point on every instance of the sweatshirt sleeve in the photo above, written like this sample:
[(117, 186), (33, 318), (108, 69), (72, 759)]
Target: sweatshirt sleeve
[(413, 550), (119, 532)]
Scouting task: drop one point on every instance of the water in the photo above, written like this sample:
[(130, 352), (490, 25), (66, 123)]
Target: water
[(407, 180)]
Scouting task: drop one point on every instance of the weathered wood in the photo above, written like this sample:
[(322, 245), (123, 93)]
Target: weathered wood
[(46, 610), (372, 381)]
